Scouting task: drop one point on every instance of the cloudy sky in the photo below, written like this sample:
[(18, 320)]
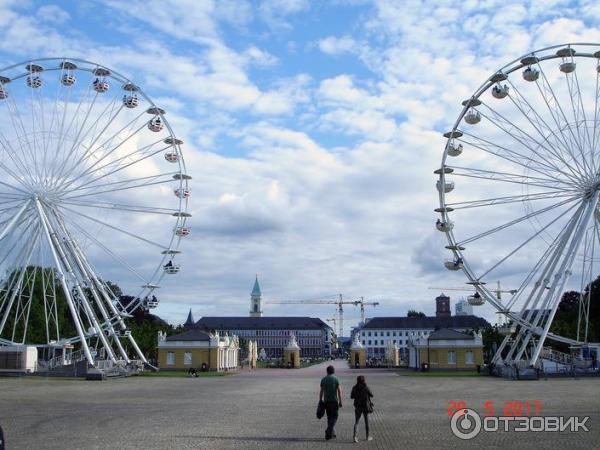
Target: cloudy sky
[(311, 129)]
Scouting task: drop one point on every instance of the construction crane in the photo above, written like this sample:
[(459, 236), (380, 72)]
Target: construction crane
[(340, 302), (362, 304)]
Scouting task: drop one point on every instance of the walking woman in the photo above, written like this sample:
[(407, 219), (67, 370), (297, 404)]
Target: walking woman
[(362, 404)]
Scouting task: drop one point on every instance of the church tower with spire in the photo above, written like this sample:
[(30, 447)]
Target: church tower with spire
[(255, 300), (189, 323)]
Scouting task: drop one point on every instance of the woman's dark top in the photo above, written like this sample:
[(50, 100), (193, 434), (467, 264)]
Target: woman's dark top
[(361, 393)]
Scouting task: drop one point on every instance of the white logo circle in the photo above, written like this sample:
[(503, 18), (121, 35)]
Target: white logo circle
[(465, 424)]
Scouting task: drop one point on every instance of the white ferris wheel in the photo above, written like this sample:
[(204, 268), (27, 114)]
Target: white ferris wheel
[(93, 187), (519, 188)]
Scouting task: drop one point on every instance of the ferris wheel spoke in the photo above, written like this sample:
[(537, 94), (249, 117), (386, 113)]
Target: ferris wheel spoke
[(108, 251), (541, 167), (20, 136), (19, 129), (34, 134), (91, 169), (121, 207), (580, 118), (532, 237), (540, 125), (8, 150), (19, 179), (505, 177), (107, 142), (61, 155), (117, 169), (558, 114), (61, 158), (495, 201), (596, 125), (515, 221), (145, 152), (508, 177), (44, 137), (113, 227), (116, 186), (530, 143), (88, 148), (79, 135)]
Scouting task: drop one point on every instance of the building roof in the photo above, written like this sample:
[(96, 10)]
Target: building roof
[(256, 288), (425, 322), (190, 320), (449, 334), (190, 335), (261, 323)]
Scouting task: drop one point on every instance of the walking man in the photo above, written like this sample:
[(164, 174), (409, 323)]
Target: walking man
[(331, 395)]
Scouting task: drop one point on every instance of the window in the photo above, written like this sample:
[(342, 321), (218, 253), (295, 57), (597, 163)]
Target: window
[(369, 342), (388, 333), (363, 342), (170, 358), (394, 334), (369, 334), (451, 357), (394, 341), (469, 357), (187, 358)]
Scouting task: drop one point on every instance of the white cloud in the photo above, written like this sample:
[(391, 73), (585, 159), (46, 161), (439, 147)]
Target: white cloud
[(334, 46)]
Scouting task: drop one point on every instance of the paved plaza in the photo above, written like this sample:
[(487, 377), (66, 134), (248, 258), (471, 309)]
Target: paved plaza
[(273, 409)]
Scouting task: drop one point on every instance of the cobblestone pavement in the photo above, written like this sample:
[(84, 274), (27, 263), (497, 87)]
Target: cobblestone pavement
[(274, 409)]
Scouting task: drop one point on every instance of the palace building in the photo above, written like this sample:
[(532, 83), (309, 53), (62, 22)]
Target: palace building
[(271, 333)]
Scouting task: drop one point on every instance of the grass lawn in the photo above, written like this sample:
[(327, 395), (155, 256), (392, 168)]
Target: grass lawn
[(439, 373), (181, 374)]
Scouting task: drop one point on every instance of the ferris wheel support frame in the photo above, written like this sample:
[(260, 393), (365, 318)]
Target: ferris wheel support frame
[(63, 282), (100, 287), (69, 240), (89, 312)]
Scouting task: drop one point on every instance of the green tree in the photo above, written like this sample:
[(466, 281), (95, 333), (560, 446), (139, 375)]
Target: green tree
[(415, 313)]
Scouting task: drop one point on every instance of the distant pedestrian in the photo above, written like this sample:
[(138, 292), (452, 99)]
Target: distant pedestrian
[(362, 404), (331, 395)]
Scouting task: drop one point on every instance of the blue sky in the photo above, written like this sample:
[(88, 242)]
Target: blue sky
[(311, 128)]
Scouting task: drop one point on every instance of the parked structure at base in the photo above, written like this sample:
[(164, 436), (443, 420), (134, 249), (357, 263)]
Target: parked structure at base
[(446, 349), (196, 349)]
